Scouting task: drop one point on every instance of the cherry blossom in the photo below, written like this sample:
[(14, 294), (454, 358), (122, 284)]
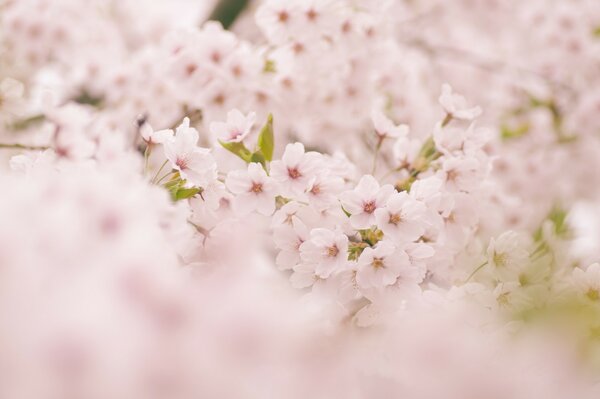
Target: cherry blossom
[(253, 189), (364, 200), (193, 163), (381, 266), (236, 129), (295, 169), (326, 250), (401, 218)]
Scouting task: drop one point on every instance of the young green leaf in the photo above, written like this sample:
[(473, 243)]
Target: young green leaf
[(266, 141), (238, 149)]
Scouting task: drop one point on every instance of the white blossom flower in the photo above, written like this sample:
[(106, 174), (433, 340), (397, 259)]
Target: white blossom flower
[(461, 173), (322, 190), (236, 129), (289, 239), (380, 266), (364, 200), (456, 106), (385, 128), (195, 164), (253, 189), (401, 219), (588, 281), (294, 170), (155, 137), (507, 254), (327, 250)]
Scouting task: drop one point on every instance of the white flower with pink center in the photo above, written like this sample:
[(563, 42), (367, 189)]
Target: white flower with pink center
[(295, 169), (194, 164), (381, 266), (364, 200), (236, 129), (253, 189), (402, 218), (385, 128), (456, 106), (327, 250), (288, 239)]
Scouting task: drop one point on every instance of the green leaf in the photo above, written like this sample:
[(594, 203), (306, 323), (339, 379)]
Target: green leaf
[(185, 193), (178, 191), (88, 99), (227, 11), (507, 133), (266, 140), (238, 149), (258, 157)]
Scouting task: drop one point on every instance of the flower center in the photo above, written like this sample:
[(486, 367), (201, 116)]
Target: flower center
[(593, 294), (332, 251), (500, 259), (452, 175), (283, 16), (256, 187), (294, 173), (369, 207), (234, 134), (395, 218), (377, 263), (315, 190), (181, 163)]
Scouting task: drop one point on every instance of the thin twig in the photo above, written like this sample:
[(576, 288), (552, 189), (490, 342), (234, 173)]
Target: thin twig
[(18, 146)]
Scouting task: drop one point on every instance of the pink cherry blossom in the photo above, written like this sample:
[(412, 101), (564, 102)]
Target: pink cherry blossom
[(381, 266), (364, 200), (327, 250), (195, 164), (235, 129), (295, 169), (253, 189)]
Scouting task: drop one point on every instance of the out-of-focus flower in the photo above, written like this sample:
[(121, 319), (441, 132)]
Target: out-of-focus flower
[(456, 106), (385, 128), (588, 281), (507, 254), (237, 127)]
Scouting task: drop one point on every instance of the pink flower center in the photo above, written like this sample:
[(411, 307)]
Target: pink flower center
[(234, 134), (294, 173), (181, 163), (256, 187), (369, 207)]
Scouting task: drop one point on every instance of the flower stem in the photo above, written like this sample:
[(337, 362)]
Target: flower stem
[(159, 170), (376, 154), (476, 270), (24, 147)]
